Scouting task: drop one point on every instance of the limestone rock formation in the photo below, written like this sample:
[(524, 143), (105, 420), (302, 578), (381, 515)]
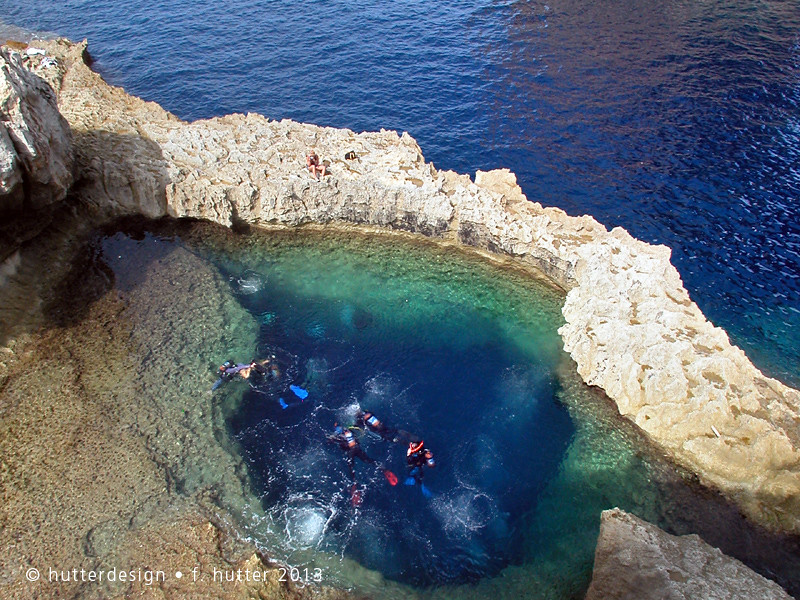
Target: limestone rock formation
[(36, 154), (35, 140), (631, 327), (636, 560), (118, 170)]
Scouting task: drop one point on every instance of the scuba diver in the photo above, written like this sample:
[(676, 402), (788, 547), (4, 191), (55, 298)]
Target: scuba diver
[(367, 420), (348, 443), (417, 457), (258, 373), (227, 371)]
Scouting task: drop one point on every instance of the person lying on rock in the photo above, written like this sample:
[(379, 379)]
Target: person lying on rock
[(314, 165)]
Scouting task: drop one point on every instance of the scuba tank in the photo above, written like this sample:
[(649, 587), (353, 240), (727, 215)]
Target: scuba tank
[(372, 420), (349, 438)]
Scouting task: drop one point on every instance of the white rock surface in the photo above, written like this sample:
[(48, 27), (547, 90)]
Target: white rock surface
[(35, 140)]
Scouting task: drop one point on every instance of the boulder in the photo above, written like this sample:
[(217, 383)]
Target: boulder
[(636, 560), (35, 140)]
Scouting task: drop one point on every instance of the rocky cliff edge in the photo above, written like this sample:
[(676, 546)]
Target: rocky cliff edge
[(631, 327)]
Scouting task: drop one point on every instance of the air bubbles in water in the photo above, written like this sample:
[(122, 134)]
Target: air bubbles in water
[(249, 282), (306, 524), (465, 510)]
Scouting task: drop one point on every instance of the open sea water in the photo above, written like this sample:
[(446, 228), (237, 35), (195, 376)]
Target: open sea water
[(677, 120)]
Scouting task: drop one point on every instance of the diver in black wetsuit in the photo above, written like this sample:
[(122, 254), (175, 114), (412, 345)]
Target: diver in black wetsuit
[(348, 443), (417, 457), (367, 420), (260, 371), (257, 371), (227, 371)]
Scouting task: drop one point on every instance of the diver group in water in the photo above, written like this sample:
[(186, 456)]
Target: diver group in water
[(258, 373), (418, 455)]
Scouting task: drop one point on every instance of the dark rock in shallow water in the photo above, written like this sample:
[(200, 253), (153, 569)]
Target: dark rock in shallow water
[(362, 319)]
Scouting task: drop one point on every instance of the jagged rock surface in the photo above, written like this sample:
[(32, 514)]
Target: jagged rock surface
[(636, 560), (35, 140), (630, 324), (36, 154)]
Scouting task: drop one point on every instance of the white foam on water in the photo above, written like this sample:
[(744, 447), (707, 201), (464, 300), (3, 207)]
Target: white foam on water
[(347, 414), (250, 283), (307, 465), (464, 511), (378, 391), (306, 522)]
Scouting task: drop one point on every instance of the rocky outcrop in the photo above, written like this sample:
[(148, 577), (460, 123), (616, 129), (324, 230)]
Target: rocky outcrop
[(35, 140), (36, 154), (636, 560), (631, 327)]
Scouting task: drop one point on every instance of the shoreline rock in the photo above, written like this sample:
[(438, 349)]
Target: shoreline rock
[(636, 560), (36, 153), (631, 326)]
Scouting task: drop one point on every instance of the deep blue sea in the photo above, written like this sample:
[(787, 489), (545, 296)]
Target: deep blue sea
[(677, 120)]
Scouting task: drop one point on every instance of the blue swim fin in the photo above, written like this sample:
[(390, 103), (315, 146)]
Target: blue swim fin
[(283, 403), (299, 392), (410, 481), (425, 491), (218, 383)]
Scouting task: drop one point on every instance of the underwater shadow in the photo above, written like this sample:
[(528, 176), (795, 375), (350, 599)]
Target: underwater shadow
[(52, 272)]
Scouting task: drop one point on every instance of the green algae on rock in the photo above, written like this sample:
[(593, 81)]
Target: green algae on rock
[(102, 427)]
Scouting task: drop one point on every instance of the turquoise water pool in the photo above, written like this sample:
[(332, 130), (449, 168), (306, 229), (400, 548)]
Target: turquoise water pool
[(461, 351)]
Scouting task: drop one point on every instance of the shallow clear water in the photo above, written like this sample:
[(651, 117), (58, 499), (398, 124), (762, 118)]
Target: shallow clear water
[(676, 120), (462, 352)]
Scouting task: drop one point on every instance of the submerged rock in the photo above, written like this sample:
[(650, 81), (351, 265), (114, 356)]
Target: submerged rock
[(635, 560), (107, 421)]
